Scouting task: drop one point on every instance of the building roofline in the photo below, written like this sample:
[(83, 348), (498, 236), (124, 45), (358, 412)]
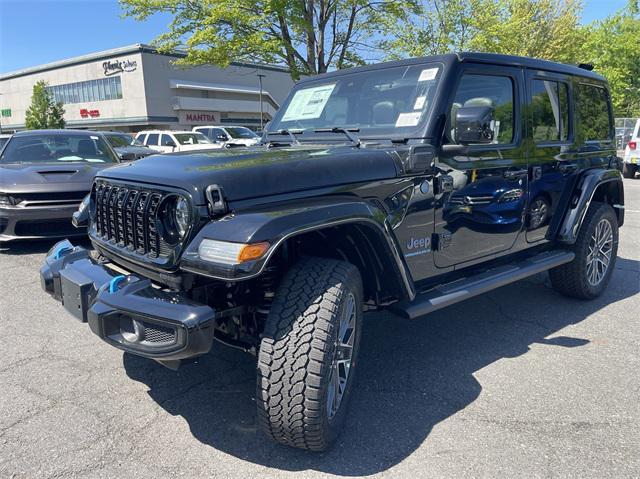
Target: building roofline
[(128, 49)]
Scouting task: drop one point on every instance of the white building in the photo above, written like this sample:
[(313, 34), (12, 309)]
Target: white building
[(136, 87)]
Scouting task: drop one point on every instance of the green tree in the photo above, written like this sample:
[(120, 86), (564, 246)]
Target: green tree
[(308, 36), (612, 46), (43, 112), (437, 27), (548, 29)]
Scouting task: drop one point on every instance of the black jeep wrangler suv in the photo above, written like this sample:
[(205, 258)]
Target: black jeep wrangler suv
[(409, 185)]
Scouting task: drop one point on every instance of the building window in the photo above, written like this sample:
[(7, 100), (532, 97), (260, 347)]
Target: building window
[(550, 110), (88, 91)]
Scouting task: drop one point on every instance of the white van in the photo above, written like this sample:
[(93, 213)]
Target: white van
[(168, 141), (632, 153), (229, 135)]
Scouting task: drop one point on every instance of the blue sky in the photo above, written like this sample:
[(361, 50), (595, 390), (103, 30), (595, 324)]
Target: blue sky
[(33, 32)]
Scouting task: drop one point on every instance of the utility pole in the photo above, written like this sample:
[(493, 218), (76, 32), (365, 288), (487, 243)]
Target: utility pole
[(260, 77)]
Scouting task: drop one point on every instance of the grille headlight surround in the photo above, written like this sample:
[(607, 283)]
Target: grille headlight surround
[(175, 216), (182, 216)]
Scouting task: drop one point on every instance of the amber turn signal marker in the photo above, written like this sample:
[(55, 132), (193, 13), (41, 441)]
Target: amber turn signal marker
[(251, 252)]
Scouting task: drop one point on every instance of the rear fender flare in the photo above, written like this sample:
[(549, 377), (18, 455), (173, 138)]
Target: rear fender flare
[(587, 187)]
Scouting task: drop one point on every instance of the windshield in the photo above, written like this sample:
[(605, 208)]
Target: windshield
[(192, 139), (61, 148), (386, 102), (118, 141), (240, 132)]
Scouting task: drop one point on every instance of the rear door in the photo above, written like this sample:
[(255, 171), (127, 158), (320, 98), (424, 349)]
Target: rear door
[(483, 214), (553, 155)]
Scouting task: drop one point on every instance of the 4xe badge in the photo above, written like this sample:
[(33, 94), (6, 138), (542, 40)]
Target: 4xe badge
[(418, 246)]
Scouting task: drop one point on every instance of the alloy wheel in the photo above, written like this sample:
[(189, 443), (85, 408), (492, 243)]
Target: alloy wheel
[(599, 254), (343, 354)]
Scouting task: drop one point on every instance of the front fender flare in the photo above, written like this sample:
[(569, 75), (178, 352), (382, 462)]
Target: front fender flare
[(277, 223)]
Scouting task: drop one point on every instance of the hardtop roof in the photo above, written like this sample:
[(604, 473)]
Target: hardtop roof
[(473, 57)]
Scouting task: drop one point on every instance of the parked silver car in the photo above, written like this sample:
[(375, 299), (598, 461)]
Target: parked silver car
[(44, 176)]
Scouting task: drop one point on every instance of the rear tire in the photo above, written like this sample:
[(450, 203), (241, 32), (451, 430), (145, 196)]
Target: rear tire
[(308, 353), (596, 249), (629, 171)]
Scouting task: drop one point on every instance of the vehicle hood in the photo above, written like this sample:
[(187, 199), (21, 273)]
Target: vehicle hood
[(53, 177), (135, 150), (256, 172)]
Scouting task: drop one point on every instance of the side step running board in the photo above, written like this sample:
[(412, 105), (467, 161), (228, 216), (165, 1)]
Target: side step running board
[(465, 288)]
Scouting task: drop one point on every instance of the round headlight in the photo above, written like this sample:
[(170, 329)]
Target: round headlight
[(181, 214)]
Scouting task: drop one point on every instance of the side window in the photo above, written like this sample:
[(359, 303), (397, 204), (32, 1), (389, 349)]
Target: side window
[(592, 107), (550, 110), (152, 139), (167, 141), (216, 133), (142, 138), (492, 91)]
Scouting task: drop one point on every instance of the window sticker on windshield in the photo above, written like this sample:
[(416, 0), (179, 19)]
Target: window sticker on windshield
[(419, 103), (308, 104), (428, 74), (408, 119)]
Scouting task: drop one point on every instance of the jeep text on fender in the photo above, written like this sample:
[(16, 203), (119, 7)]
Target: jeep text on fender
[(409, 185)]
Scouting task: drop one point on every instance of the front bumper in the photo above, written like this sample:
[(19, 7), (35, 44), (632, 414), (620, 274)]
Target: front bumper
[(127, 311), (36, 223)]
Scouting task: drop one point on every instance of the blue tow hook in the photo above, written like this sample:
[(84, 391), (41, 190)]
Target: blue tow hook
[(62, 249), (115, 281)]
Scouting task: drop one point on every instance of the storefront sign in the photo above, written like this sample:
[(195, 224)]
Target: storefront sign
[(84, 113), (6, 112), (199, 117), (111, 67)]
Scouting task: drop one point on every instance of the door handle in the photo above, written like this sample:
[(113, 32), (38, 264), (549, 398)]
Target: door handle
[(515, 174), (566, 168)]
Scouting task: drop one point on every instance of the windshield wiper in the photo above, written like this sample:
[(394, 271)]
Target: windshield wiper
[(346, 131), (290, 133)]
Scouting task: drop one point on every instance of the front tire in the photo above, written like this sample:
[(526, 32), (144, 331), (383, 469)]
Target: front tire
[(308, 353), (596, 249)]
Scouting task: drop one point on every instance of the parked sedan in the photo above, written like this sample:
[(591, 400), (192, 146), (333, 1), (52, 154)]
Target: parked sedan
[(127, 147), (44, 176)]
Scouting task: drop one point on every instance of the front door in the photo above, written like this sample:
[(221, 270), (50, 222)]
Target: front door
[(483, 214)]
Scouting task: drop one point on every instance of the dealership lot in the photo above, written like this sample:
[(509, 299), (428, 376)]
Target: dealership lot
[(518, 382)]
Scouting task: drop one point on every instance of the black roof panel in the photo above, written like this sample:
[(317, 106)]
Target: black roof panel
[(473, 57)]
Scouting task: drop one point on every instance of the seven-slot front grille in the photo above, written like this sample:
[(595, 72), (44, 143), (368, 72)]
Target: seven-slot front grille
[(127, 217)]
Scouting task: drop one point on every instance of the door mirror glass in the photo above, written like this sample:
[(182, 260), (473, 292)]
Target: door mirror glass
[(474, 125)]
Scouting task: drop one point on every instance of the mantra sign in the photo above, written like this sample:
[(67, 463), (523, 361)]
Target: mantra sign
[(199, 117)]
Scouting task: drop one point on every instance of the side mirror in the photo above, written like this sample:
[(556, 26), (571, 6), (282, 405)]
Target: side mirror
[(473, 125), (222, 138), (171, 143)]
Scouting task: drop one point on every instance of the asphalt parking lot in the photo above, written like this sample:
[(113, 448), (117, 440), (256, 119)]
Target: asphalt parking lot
[(521, 382)]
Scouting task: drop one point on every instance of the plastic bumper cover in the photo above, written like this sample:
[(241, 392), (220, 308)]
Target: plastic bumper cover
[(127, 311)]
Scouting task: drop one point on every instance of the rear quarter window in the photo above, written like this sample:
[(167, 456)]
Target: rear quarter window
[(593, 113)]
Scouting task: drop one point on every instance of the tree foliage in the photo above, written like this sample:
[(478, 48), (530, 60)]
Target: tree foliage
[(308, 36), (612, 45), (536, 28), (44, 112)]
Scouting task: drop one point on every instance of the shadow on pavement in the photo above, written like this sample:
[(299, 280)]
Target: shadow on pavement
[(412, 376)]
